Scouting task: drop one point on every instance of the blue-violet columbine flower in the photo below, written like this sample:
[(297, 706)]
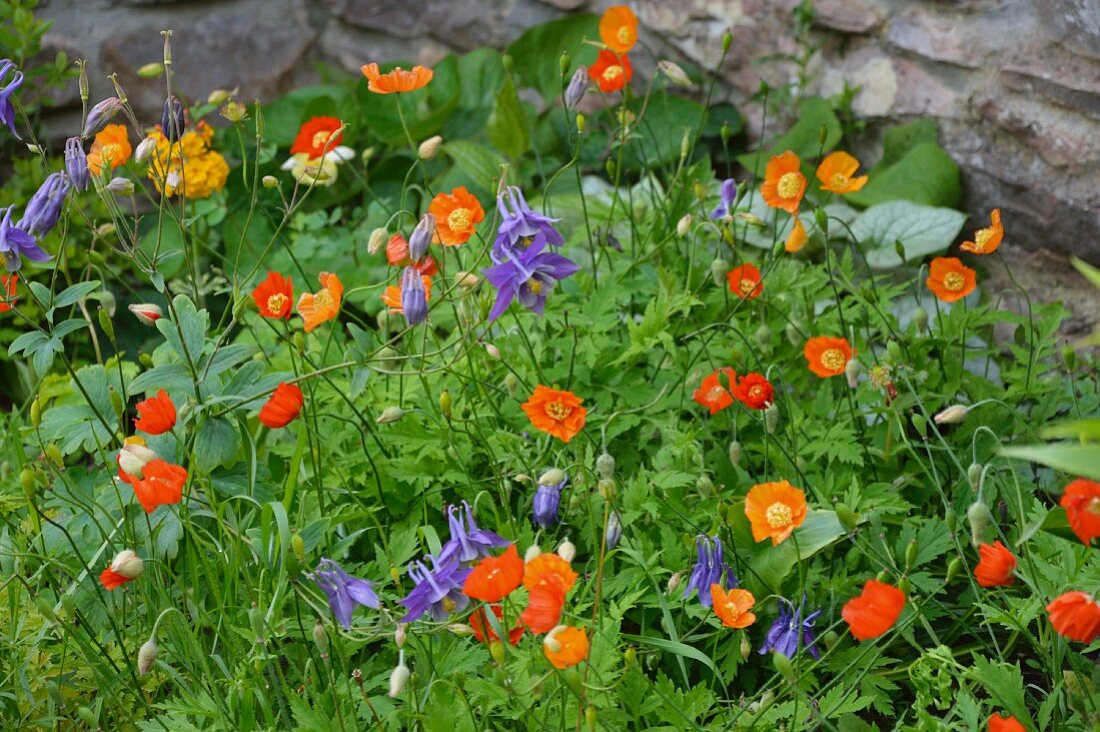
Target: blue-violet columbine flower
[(76, 164), (520, 225), (44, 208), (529, 277), (16, 243), (7, 88), (783, 635), (100, 115), (578, 85), (728, 195), (710, 567), (544, 509), (172, 119), (613, 531), (438, 591), (468, 541), (344, 592), (421, 237), (414, 298)]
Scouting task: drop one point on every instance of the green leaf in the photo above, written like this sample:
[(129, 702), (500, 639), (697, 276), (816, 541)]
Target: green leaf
[(77, 292), (1083, 460), (921, 230), (678, 649), (191, 323), (476, 161), (1005, 683), (216, 444), (1092, 273), (1081, 429), (667, 119), (536, 55), (926, 175), (507, 126), (804, 139)]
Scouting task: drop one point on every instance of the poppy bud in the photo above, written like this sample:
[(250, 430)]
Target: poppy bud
[(1069, 356), (573, 680), (674, 73), (704, 485), (851, 372), (771, 417), (954, 567), (951, 519), (683, 226), (445, 404), (605, 465), (121, 186), (399, 677), (954, 414), (920, 319), (563, 63), (783, 665), (460, 629), (614, 530), (764, 338), (128, 564), (270, 181), (904, 586), (718, 269), (590, 718), (147, 361), (606, 487), (36, 412), (151, 70), (554, 476), (147, 656), (390, 414), (848, 518), (510, 380), (746, 647), (298, 546), (685, 143), (567, 551), (727, 40), (106, 324), (429, 147), (982, 529), (610, 167), (894, 351), (494, 352), (910, 555), (400, 635), (580, 123)]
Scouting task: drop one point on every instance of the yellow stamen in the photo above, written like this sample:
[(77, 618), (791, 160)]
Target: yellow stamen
[(449, 604), (558, 411), (833, 359), (839, 181), (612, 72), (715, 393), (320, 139), (324, 300), (779, 515), (954, 282), (789, 184), (747, 286), (534, 286), (623, 36), (276, 302), (459, 220), (981, 237)]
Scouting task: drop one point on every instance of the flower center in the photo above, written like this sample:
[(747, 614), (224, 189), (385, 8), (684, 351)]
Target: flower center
[(789, 184), (276, 302), (839, 180), (449, 604), (954, 282), (558, 411), (524, 241), (832, 359), (731, 608), (981, 237), (320, 139), (779, 515), (459, 220), (612, 72), (1093, 506), (715, 393), (324, 300), (623, 36), (757, 393), (534, 286), (747, 286), (108, 153)]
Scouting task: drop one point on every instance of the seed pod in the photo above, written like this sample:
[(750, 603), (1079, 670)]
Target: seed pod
[(982, 528), (390, 414), (606, 487), (496, 650), (580, 123), (36, 412), (727, 40), (590, 718), (910, 555), (919, 424)]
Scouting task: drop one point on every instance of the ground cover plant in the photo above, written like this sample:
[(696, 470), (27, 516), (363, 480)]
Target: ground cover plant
[(520, 392)]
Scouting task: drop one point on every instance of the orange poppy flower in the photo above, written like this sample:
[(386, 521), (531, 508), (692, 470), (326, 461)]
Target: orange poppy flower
[(611, 72), (733, 607), (784, 183), (875, 611), (1081, 499), (324, 305), (156, 415), (565, 646), (125, 567), (392, 294), (544, 605), (619, 28), (996, 566), (827, 356), (398, 80), (494, 577), (1075, 615), (457, 215), (997, 723), (318, 137), (556, 412), (986, 241), (161, 484), (712, 394), (111, 149), (274, 296), (754, 391), (545, 565), (775, 510), (797, 238), (836, 171), (282, 407), (112, 580), (483, 630), (744, 281), (397, 254), (950, 280), (8, 285)]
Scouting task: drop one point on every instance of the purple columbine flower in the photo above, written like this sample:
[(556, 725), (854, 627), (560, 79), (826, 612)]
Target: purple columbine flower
[(438, 591), (728, 195), (172, 120), (544, 509), (414, 299), (529, 277), (783, 635), (344, 591), (520, 225), (710, 567), (613, 531), (76, 164), (468, 541), (421, 237), (578, 85), (7, 88), (44, 208), (16, 243), (100, 115)]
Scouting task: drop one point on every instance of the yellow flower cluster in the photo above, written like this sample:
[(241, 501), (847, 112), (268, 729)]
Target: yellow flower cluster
[(188, 168)]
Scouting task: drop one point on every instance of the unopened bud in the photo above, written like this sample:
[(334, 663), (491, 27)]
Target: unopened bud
[(605, 465), (298, 546), (920, 424), (974, 475), (613, 531), (144, 150), (954, 414), (746, 647), (894, 351), (554, 476), (580, 123), (36, 412), (1069, 357), (719, 268), (704, 485), (460, 629), (674, 73), (400, 635), (106, 324), (445, 404), (121, 186), (494, 352), (954, 568), (734, 453), (727, 40), (377, 241), (683, 226), (320, 639), (920, 319), (151, 71), (606, 488), (128, 564), (566, 550), (982, 529), (848, 518), (390, 414), (911, 555), (673, 582), (429, 147), (771, 418), (852, 371), (399, 677), (269, 181), (783, 665), (466, 280), (496, 650), (511, 383), (147, 656)]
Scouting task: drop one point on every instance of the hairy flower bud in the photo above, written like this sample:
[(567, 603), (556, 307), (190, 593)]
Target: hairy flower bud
[(606, 488), (400, 635), (128, 564), (734, 452), (920, 319), (462, 630), (144, 150), (674, 73), (532, 552), (147, 656), (605, 465), (771, 418), (982, 528), (390, 414), (718, 270), (377, 241), (320, 639), (399, 677), (852, 371), (494, 352), (954, 414), (566, 550), (428, 149), (974, 475)]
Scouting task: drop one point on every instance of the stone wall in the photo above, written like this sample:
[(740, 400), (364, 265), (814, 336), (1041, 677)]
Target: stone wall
[(1015, 84)]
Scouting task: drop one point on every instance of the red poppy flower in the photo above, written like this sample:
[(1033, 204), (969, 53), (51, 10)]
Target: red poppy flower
[(494, 577), (996, 566), (544, 605), (282, 407), (318, 136), (397, 254), (125, 567), (712, 394), (1081, 499), (7, 292), (547, 565), (274, 296), (156, 415), (484, 630), (744, 281), (754, 391), (611, 72), (997, 723), (1075, 615), (161, 484), (875, 611)]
